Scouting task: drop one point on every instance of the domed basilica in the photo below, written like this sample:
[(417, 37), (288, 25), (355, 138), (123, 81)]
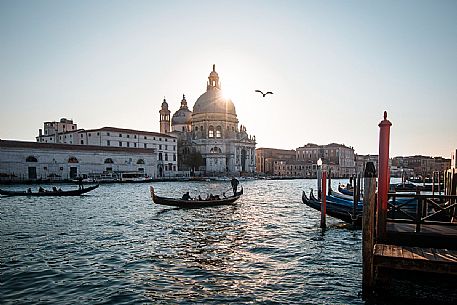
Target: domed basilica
[(209, 138)]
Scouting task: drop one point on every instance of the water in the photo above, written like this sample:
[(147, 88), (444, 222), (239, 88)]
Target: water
[(114, 246)]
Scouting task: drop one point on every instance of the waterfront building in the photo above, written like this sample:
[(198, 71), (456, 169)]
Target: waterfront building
[(361, 161), (337, 158), (423, 166), (163, 146), (269, 158), (209, 139), (289, 168), (23, 161)]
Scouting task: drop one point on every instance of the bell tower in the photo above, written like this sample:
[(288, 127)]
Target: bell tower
[(164, 117)]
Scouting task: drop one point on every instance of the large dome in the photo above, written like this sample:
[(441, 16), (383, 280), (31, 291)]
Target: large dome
[(213, 101)]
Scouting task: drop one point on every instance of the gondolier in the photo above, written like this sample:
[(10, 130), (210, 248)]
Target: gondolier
[(234, 183)]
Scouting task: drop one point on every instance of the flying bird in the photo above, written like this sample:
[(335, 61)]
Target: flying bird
[(269, 92)]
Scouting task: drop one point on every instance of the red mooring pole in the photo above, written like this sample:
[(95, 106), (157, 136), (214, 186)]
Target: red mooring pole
[(383, 176), (324, 200)]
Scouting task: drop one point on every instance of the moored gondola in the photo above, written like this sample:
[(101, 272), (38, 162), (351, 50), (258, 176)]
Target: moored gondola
[(335, 208), (194, 203), (49, 193)]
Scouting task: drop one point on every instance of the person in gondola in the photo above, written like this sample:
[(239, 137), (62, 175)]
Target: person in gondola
[(29, 190), (234, 183), (41, 190), (186, 196), (54, 189)]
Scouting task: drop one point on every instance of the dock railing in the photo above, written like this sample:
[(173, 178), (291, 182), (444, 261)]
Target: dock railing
[(422, 209)]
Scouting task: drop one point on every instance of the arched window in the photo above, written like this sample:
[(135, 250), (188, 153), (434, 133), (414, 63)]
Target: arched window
[(196, 128), (73, 160), (166, 157), (140, 161), (174, 157), (215, 150), (210, 132), (160, 156), (109, 160), (31, 159), (218, 131)]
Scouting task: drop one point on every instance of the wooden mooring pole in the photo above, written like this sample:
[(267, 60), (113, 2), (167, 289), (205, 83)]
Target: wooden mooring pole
[(383, 176), (368, 227), (324, 200)]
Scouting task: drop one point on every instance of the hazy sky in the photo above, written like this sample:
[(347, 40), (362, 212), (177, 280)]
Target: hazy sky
[(334, 67)]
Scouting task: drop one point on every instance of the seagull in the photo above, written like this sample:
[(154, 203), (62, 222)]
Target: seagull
[(269, 92)]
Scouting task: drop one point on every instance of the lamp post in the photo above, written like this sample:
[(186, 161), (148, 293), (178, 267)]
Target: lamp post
[(319, 178)]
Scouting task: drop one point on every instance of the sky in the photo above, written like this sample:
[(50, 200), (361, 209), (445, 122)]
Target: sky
[(334, 67)]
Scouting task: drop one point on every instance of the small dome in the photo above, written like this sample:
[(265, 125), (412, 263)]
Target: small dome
[(182, 116), (164, 104), (213, 101)]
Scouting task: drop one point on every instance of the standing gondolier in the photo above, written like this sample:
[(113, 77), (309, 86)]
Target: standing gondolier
[(234, 183)]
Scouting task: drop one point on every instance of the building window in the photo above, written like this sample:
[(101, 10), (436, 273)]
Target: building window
[(160, 146), (166, 147), (140, 161), (73, 160), (160, 156), (120, 135), (98, 133), (145, 137), (174, 147), (160, 139), (174, 157), (174, 168), (128, 136), (109, 161), (145, 145), (108, 143), (82, 141), (134, 144), (218, 132), (31, 159), (134, 136), (166, 157), (211, 132), (90, 134), (128, 144), (120, 144)]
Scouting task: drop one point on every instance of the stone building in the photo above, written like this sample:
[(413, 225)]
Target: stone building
[(423, 166), (31, 161), (266, 158), (164, 146), (335, 157), (209, 138)]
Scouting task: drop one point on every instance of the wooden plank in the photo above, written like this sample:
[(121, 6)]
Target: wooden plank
[(407, 254)]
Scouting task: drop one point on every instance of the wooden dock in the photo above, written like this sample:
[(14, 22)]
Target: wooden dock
[(411, 256)]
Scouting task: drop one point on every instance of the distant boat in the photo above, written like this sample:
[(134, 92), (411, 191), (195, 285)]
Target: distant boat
[(182, 203), (49, 193)]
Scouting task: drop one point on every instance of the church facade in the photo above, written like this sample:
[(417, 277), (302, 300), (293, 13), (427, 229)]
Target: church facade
[(210, 139)]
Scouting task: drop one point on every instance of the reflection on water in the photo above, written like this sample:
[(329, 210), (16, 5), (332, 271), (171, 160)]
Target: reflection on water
[(116, 246)]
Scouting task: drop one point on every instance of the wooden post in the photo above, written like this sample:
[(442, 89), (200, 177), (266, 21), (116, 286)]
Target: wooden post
[(383, 176), (329, 181), (324, 200), (368, 227), (319, 182), (355, 201)]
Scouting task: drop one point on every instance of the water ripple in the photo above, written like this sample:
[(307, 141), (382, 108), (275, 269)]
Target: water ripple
[(115, 247)]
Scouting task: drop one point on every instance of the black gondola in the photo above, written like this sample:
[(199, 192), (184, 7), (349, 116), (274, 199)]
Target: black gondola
[(49, 193), (334, 209), (194, 203)]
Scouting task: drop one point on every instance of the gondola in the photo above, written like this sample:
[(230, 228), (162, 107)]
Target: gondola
[(336, 208), (49, 193), (194, 203)]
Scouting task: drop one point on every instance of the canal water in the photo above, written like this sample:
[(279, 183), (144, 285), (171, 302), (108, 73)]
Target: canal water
[(114, 246)]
